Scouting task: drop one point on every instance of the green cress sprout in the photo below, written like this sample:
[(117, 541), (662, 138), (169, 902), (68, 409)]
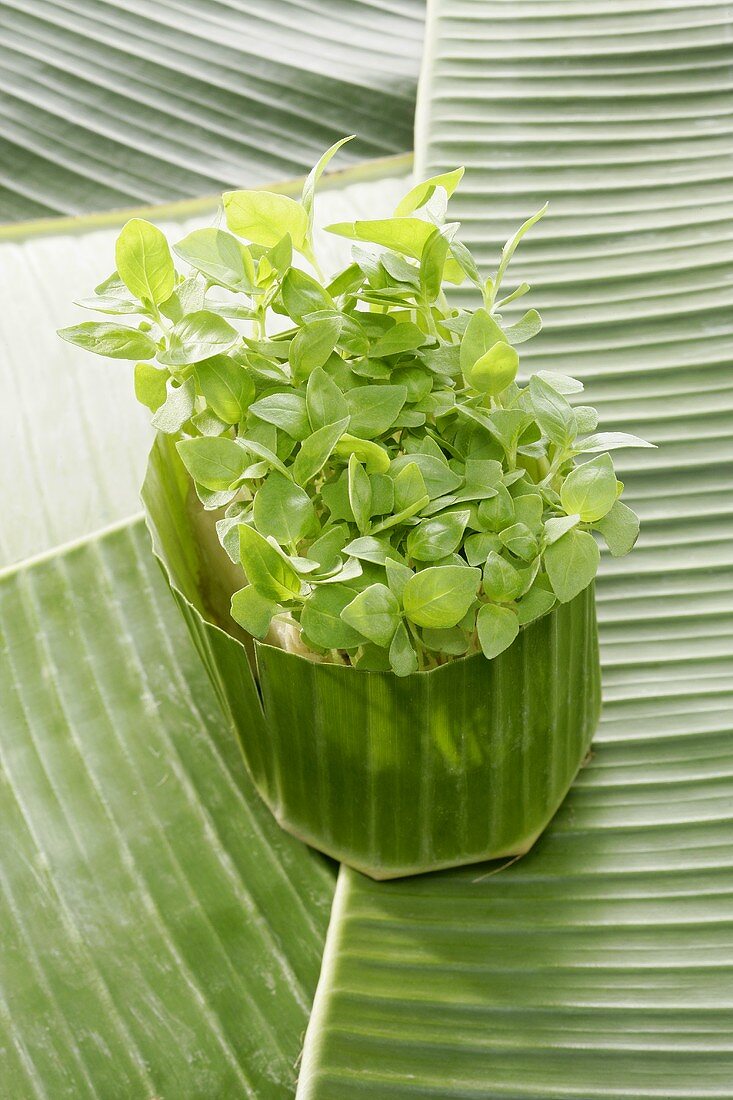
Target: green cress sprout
[(378, 471)]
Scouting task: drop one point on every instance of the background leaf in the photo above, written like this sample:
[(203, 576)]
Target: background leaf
[(161, 935), (122, 105)]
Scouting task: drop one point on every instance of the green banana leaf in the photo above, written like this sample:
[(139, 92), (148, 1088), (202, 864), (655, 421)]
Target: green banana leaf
[(111, 105), (73, 433), (161, 935), (598, 966)]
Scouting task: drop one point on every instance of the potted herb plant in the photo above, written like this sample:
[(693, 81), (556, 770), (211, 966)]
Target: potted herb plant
[(382, 541)]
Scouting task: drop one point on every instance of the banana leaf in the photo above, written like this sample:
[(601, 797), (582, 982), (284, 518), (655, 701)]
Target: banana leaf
[(71, 430), (113, 105), (161, 935), (368, 767), (599, 964)]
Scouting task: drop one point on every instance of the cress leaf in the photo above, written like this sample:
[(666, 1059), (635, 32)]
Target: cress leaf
[(144, 262), (264, 217), (374, 613), (497, 628), (267, 569), (572, 563), (440, 596)]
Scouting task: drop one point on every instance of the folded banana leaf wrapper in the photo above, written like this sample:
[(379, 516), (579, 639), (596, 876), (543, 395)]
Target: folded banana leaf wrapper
[(393, 776)]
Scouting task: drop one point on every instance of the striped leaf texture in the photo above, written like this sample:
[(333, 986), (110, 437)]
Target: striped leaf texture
[(162, 936), (75, 436), (599, 964), (114, 103)]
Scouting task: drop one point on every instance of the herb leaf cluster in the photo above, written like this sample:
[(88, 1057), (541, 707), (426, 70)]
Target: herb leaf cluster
[(388, 486)]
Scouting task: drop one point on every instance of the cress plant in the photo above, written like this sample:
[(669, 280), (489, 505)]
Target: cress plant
[(384, 480)]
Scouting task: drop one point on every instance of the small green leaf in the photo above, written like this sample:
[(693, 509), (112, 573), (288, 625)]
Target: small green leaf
[(557, 526), (118, 301), (227, 387), (286, 410), (276, 261), (482, 479), (609, 441), (524, 329), (402, 656), (462, 263), (402, 337), (302, 294), (144, 261), (423, 192), (553, 413), (440, 596), (220, 257), (321, 618), (437, 537), (502, 582), (586, 418), (372, 658), (561, 383), (177, 408), (284, 510), (497, 512), (406, 235), (253, 611), (106, 338), (198, 336), (150, 385), (497, 628), (313, 345), (417, 380), (572, 563), (374, 613), (369, 548), (268, 456), (482, 333), (537, 602), (528, 510), (374, 457), (208, 423), (511, 245), (520, 541), (264, 217), (399, 270), (453, 641), (494, 370), (325, 401), (620, 529), (360, 494), (398, 575), (316, 450), (216, 462), (327, 547), (409, 486), (266, 568), (478, 547), (590, 489), (309, 187), (438, 478), (433, 260), (374, 409)]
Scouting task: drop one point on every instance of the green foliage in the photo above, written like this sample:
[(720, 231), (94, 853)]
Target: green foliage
[(391, 490)]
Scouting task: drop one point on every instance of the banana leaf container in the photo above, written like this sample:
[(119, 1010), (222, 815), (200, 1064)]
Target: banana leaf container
[(394, 776)]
